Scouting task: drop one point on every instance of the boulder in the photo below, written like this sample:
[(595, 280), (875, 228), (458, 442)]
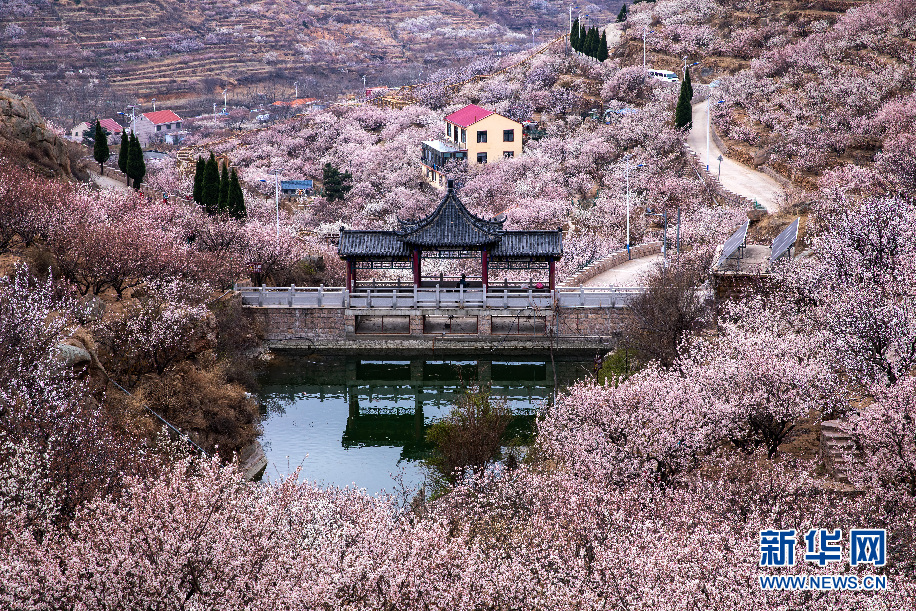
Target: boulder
[(24, 134), (73, 355)]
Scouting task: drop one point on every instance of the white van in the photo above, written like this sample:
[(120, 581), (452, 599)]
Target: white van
[(664, 75)]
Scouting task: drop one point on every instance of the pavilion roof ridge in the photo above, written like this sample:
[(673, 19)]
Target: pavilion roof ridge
[(451, 224)]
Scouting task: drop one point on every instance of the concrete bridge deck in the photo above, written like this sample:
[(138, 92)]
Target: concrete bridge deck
[(395, 298)]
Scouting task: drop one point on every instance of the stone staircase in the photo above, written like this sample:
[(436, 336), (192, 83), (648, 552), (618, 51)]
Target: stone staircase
[(837, 450)]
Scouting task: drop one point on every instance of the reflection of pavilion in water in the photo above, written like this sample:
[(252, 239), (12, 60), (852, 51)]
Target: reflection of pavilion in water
[(386, 399)]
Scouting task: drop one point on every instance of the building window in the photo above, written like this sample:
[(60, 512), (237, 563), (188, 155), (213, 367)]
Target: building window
[(481, 137), (508, 154), (178, 125), (508, 135), (158, 128), (464, 135), (168, 126), (481, 157)]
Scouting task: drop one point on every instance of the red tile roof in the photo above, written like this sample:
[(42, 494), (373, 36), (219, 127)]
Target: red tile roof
[(302, 101), (111, 125), (162, 116), (469, 115)]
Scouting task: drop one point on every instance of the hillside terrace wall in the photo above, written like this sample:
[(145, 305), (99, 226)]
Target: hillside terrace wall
[(564, 329)]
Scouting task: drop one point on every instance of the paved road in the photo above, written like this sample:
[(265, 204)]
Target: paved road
[(107, 182), (736, 177), (627, 274)]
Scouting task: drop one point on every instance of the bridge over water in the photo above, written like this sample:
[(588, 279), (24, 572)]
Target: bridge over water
[(508, 318)]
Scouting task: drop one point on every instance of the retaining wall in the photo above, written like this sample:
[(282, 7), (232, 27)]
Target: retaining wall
[(613, 260)]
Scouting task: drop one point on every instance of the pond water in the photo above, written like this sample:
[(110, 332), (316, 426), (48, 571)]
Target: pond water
[(362, 420)]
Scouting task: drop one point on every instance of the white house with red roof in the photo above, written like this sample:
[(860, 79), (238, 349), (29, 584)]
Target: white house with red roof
[(473, 133), (153, 126), (87, 128)]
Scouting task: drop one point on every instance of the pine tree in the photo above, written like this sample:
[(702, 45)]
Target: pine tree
[(210, 190), (593, 42), (683, 113), (136, 166), (574, 35), (223, 204), (123, 153), (199, 179), (622, 15), (602, 48), (100, 151), (335, 187), (688, 83), (236, 197)]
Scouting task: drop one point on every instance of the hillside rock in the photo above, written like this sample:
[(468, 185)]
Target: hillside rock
[(25, 138)]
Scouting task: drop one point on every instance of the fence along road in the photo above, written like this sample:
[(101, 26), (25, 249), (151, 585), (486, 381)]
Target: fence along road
[(389, 298)]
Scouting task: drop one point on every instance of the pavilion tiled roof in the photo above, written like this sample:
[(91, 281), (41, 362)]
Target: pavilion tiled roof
[(469, 115), (529, 244), (451, 227), (355, 243)]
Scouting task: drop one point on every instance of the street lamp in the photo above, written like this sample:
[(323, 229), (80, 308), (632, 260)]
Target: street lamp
[(154, 104), (628, 200), (664, 215), (720, 168), (690, 66), (276, 174)]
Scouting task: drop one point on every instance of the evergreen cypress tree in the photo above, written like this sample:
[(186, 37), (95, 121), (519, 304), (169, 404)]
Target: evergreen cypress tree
[(210, 190), (100, 151), (335, 187), (593, 42), (124, 152), (583, 39), (622, 15), (683, 113), (236, 197), (223, 204), (574, 35), (688, 83), (199, 179), (136, 166), (602, 48)]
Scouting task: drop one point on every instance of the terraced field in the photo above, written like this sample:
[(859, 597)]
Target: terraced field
[(140, 49)]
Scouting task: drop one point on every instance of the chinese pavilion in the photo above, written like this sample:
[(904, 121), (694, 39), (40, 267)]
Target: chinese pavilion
[(451, 232)]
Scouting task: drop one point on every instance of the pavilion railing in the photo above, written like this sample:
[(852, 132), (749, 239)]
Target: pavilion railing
[(495, 297)]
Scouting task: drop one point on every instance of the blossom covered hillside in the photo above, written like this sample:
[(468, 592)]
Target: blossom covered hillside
[(807, 86), (688, 474)]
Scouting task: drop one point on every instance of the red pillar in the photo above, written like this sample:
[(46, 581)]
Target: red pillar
[(351, 274), (553, 274), (484, 268), (416, 267)]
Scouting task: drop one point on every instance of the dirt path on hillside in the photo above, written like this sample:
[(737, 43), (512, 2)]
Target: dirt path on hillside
[(736, 177), (626, 274)]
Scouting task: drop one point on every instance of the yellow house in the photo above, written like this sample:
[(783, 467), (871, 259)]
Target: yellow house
[(473, 133)]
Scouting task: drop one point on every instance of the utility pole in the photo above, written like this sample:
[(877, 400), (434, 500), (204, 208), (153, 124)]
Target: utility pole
[(645, 32), (277, 200), (720, 168), (678, 241), (364, 83), (154, 104), (224, 99), (628, 205), (708, 112), (297, 90)]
